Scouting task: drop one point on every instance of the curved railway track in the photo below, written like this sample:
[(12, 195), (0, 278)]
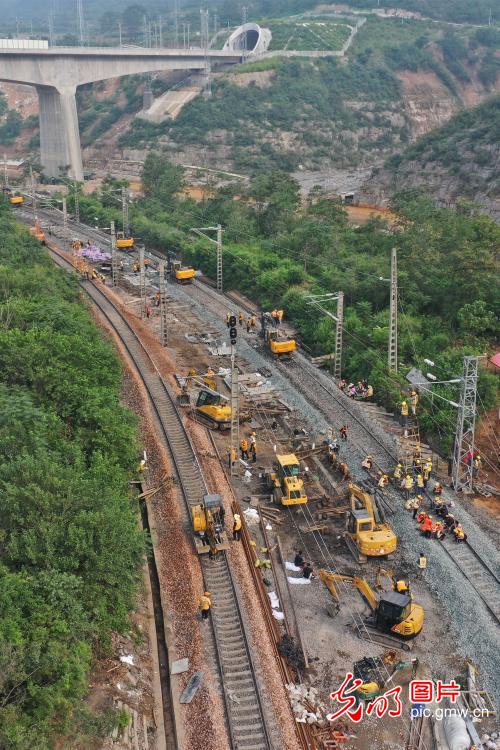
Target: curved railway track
[(246, 721), (468, 560)]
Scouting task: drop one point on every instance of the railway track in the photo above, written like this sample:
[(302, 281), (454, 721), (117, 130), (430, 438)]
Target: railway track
[(415, 734), (485, 581), (472, 565), (245, 717)]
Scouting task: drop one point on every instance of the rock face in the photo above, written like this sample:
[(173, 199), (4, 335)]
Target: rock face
[(458, 161), (427, 103)]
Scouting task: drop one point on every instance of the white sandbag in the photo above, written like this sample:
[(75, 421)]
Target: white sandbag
[(298, 580), (291, 566), (456, 733), (278, 615)]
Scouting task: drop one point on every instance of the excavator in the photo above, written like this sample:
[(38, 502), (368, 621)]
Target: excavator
[(211, 406), (279, 344), (366, 534), (394, 613), (182, 274), (123, 242), (208, 525), (285, 482), (15, 199)]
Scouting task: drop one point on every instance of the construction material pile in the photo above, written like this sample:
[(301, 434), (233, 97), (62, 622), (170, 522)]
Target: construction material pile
[(306, 706)]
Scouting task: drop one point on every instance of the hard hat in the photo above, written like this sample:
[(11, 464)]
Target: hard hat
[(207, 593), (403, 402), (237, 515)]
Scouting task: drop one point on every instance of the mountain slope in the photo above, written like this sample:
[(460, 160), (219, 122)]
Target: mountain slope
[(459, 160)]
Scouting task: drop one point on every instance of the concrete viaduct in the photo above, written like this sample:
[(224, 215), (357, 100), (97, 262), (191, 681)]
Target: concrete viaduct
[(56, 73)]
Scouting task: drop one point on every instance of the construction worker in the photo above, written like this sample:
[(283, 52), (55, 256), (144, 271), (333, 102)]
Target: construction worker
[(253, 321), (367, 463), (426, 527), (237, 527), (228, 318), (476, 466), (344, 470), (436, 493), (274, 316), (244, 449), (397, 471), (369, 392), (420, 481), (241, 318), (343, 433), (205, 604), (404, 409), (299, 559), (427, 471), (253, 447), (422, 564), (280, 317), (460, 535), (414, 505), (414, 402), (383, 481), (401, 586), (438, 531), (407, 485), (249, 324), (307, 570), (232, 457), (421, 516)]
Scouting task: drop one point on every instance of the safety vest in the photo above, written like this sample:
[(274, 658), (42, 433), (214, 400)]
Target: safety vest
[(404, 409), (420, 480), (422, 562), (237, 524), (205, 603), (408, 483), (397, 472), (369, 391), (244, 445)]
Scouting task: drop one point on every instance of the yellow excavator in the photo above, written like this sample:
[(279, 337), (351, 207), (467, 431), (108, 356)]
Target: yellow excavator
[(285, 482), (366, 534), (123, 242), (182, 274), (214, 408), (394, 613), (208, 525), (279, 344)]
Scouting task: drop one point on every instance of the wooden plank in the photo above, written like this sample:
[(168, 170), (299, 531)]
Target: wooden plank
[(191, 688)]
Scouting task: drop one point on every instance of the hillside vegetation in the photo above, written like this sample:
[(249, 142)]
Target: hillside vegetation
[(70, 547), (458, 160), (325, 112), (277, 251)]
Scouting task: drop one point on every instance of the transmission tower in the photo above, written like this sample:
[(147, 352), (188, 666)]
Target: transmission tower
[(319, 301), (235, 400), (125, 212), (244, 18), (81, 22), (163, 304), (114, 256), (393, 322), (463, 456)]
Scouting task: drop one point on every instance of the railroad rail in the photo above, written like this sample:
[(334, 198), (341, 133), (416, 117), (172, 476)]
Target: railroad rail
[(478, 572), (246, 721), (415, 734)]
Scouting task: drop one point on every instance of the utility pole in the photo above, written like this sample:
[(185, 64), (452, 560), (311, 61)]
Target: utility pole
[(114, 256), (176, 22), (337, 365), (218, 244), (51, 28), (77, 206), (142, 279), (462, 473), (160, 31), (393, 314), (204, 42), (120, 32), (244, 19), (235, 400), (33, 196), (65, 215), (163, 304), (5, 181), (81, 22), (125, 212), (319, 301)]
